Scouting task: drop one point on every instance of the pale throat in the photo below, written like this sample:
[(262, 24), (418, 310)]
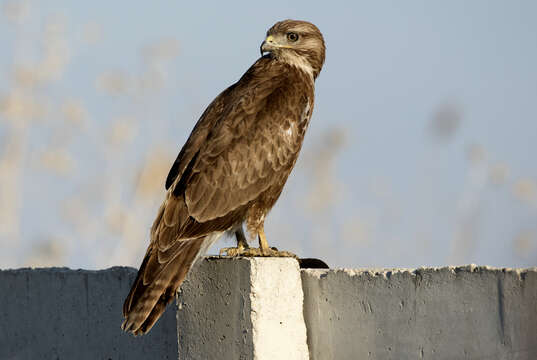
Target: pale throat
[(297, 61)]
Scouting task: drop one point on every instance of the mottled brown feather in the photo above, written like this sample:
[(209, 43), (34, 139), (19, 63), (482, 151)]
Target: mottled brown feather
[(156, 285), (250, 146), (231, 169)]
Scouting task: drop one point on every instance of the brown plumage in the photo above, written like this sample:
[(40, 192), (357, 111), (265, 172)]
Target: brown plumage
[(233, 166)]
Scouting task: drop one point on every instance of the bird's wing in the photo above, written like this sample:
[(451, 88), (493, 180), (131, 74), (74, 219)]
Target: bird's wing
[(217, 162), (247, 148), (198, 136), (237, 150)]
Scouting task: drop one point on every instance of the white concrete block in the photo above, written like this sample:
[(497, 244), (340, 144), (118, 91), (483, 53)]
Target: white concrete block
[(243, 308), (276, 301)]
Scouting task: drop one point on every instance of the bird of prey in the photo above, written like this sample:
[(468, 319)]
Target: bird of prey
[(232, 168)]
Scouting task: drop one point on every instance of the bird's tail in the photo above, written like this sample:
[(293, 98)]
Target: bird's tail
[(158, 280)]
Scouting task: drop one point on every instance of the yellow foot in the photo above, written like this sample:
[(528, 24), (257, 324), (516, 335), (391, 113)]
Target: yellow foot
[(252, 252), (232, 251)]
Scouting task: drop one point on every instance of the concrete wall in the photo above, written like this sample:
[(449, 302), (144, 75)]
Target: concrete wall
[(58, 313), (242, 309), (446, 313), (263, 308)]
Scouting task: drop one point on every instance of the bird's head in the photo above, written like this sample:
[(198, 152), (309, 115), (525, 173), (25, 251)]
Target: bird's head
[(298, 43)]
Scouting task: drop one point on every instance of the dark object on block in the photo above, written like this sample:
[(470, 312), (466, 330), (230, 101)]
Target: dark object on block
[(311, 263)]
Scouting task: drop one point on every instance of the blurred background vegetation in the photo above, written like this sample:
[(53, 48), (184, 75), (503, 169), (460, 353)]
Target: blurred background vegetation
[(421, 149)]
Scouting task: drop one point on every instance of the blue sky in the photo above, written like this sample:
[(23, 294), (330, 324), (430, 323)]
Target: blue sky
[(404, 193)]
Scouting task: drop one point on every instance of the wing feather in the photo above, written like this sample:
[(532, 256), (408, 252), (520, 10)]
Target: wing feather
[(234, 153), (198, 136), (245, 140)]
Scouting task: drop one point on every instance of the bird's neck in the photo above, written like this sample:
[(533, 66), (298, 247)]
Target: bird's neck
[(298, 62)]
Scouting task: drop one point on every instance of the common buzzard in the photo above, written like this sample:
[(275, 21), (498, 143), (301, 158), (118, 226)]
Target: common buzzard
[(232, 168)]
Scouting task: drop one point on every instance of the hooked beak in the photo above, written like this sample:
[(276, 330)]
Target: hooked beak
[(268, 45)]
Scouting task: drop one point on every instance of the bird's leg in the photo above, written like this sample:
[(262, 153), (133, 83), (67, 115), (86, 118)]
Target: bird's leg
[(243, 249), (242, 245), (265, 250), (263, 244)]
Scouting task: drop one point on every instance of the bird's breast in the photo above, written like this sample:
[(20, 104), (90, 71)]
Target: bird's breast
[(293, 130)]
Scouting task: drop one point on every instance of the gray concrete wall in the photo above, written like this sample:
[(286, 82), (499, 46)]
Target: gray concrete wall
[(242, 308), (446, 313), (57, 313), (255, 308)]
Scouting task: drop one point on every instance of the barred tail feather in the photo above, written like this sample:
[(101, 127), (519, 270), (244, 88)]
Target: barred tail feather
[(156, 283)]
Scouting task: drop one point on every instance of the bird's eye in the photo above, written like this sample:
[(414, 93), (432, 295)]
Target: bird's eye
[(292, 36)]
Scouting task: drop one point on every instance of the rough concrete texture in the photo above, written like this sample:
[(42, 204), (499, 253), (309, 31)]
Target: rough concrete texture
[(242, 309), (57, 313), (276, 299), (430, 313), (256, 309)]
